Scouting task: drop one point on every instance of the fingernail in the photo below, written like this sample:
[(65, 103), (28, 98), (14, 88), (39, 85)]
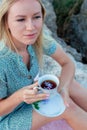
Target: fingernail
[(47, 95)]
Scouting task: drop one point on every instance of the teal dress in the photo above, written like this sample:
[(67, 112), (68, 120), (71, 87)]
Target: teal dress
[(13, 76)]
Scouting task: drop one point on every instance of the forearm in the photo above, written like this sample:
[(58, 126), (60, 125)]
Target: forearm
[(67, 75), (9, 104)]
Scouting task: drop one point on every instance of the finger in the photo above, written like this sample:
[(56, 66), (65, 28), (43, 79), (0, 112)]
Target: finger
[(42, 96), (66, 102), (35, 100), (65, 97), (59, 89), (35, 84), (32, 99), (29, 92), (32, 86), (38, 96), (36, 89)]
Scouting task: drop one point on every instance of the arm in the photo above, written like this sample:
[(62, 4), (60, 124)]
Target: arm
[(68, 68), (9, 104), (26, 94)]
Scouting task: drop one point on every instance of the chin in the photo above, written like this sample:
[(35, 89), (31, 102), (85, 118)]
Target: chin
[(29, 43)]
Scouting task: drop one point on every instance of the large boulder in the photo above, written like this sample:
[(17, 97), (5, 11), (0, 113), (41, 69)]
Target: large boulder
[(76, 31)]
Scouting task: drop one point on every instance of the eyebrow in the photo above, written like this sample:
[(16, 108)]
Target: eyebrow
[(24, 15)]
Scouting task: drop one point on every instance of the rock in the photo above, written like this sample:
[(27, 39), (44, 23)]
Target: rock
[(76, 31), (50, 19)]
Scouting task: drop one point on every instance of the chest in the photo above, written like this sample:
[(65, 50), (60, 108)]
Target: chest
[(18, 75)]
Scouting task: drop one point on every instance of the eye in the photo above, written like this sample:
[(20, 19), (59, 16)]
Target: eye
[(20, 20), (37, 17)]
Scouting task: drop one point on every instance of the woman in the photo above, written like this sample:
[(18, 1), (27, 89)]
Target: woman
[(21, 51)]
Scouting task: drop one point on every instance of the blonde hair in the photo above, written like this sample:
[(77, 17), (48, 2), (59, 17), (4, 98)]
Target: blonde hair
[(4, 31)]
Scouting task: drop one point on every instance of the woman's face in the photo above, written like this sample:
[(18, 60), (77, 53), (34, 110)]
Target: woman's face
[(25, 21)]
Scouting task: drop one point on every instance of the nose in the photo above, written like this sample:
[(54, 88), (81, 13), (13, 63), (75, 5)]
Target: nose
[(30, 25)]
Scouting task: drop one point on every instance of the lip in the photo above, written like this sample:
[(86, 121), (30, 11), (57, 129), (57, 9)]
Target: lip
[(30, 35)]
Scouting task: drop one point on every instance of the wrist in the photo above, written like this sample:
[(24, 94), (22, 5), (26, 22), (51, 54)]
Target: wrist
[(18, 97)]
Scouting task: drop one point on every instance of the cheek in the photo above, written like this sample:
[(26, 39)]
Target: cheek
[(15, 30), (39, 26), (14, 27)]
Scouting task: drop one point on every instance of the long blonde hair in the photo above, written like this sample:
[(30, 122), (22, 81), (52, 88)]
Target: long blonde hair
[(5, 34)]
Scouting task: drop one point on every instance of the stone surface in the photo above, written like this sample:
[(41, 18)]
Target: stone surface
[(76, 31)]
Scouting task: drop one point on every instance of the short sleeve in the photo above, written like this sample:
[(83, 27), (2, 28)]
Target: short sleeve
[(49, 44), (3, 85)]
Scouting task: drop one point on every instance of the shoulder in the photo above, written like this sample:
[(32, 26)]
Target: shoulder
[(5, 61), (3, 53), (5, 56), (49, 44)]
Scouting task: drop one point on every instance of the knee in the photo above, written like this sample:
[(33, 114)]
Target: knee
[(71, 110), (72, 105), (75, 84)]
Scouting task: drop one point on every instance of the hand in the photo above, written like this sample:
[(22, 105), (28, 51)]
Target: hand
[(29, 94), (65, 94)]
